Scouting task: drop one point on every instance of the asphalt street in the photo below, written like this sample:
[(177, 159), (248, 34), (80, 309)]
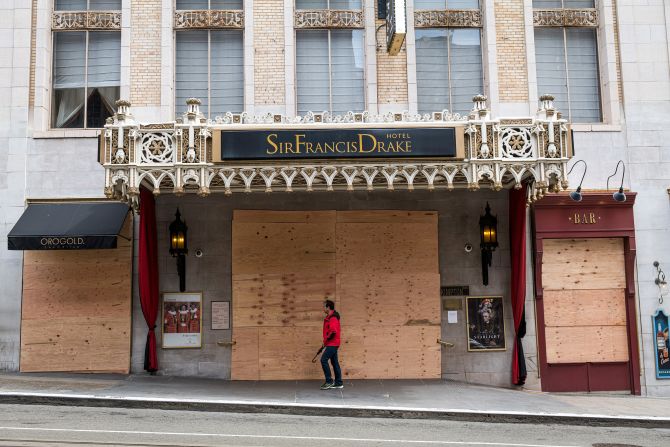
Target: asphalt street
[(35, 425)]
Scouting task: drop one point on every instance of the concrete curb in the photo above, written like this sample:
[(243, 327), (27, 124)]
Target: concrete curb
[(335, 410)]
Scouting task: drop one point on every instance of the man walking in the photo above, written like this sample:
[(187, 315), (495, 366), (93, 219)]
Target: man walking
[(331, 342)]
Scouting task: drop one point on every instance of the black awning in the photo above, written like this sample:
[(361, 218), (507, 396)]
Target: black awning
[(68, 226)]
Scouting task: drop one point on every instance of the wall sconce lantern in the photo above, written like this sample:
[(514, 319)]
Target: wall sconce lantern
[(577, 194), (179, 247), (618, 196), (488, 229), (660, 281)]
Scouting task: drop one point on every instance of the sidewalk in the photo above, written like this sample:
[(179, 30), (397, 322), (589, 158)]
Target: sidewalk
[(432, 399)]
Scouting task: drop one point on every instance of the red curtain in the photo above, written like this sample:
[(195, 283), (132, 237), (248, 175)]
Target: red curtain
[(517, 228), (148, 274)]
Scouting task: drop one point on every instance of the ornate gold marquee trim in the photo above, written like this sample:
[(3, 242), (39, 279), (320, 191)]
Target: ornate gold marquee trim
[(85, 20), (453, 18), (178, 156), (209, 19), (327, 18), (565, 17)]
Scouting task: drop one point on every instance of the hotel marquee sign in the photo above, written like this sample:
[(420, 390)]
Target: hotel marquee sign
[(341, 143)]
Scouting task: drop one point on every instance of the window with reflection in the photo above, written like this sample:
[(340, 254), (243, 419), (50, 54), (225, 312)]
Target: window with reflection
[(209, 64), (330, 64), (449, 69), (566, 60), (446, 4), (86, 70)]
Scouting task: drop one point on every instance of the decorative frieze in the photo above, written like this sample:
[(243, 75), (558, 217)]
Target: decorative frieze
[(179, 156), (85, 20), (328, 18), (209, 19), (328, 118), (565, 17), (516, 122), (453, 18)]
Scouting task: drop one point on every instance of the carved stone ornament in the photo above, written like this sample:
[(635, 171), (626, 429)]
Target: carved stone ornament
[(328, 118), (453, 18), (328, 18), (565, 17), (86, 20), (516, 122), (178, 156), (209, 19)]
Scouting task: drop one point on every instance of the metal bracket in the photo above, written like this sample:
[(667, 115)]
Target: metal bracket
[(445, 343)]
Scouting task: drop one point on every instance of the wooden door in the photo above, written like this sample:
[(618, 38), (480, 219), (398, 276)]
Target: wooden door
[(380, 268), (585, 323)]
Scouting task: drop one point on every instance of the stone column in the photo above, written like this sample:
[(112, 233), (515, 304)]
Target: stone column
[(145, 58)]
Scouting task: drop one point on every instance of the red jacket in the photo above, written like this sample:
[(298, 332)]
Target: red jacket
[(331, 329)]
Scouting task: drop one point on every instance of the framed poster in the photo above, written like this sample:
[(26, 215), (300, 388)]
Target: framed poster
[(220, 315), (485, 323), (182, 320), (659, 322)]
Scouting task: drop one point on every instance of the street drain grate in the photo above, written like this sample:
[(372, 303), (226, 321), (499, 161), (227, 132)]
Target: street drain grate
[(609, 444)]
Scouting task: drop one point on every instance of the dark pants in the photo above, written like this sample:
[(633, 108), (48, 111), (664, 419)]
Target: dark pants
[(330, 353)]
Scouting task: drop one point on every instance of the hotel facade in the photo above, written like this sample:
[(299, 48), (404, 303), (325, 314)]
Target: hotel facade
[(419, 163)]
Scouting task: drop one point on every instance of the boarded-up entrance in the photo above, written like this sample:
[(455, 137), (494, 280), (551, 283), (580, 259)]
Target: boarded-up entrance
[(76, 308), (585, 312), (380, 268)]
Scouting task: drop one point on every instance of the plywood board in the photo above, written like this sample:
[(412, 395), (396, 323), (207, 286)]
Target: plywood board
[(76, 309), (387, 352), (383, 276), (36, 275), (260, 216), (75, 257), (419, 352), (583, 264), (69, 301), (283, 247), (77, 344), (558, 250), (287, 352), (387, 216), (383, 299), (583, 280), (387, 247), (584, 307), (291, 299), (245, 354), (583, 344), (370, 352), (595, 265)]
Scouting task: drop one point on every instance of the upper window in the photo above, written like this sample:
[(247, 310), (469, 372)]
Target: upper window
[(330, 58), (330, 70), (91, 5), (208, 4), (86, 73), (449, 69), (86, 78), (209, 66), (446, 4), (328, 4), (563, 4), (567, 62)]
